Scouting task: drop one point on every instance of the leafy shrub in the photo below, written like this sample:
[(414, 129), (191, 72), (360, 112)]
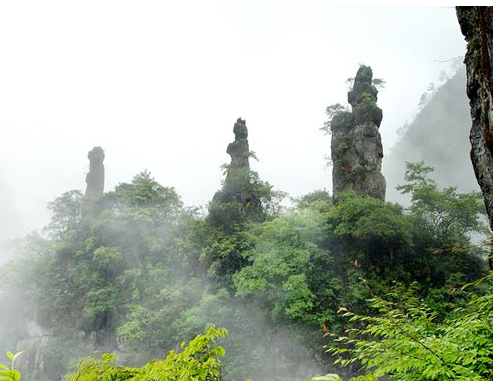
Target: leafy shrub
[(405, 342), (197, 362), (10, 374)]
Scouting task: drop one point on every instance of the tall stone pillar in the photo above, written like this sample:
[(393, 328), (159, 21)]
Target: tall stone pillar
[(356, 146), (95, 177)]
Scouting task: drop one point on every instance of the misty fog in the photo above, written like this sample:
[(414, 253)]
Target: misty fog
[(11, 220), (160, 92)]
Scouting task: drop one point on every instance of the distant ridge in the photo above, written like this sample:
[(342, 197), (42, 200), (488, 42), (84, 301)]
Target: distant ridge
[(439, 136)]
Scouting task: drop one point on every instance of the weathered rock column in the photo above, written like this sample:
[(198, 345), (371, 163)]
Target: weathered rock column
[(356, 146), (95, 177), (239, 149), (476, 24), (238, 171)]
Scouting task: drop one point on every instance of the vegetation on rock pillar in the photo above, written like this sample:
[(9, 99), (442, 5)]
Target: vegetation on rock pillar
[(356, 146), (238, 189)]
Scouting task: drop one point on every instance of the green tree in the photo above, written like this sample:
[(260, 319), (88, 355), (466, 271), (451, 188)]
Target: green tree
[(102, 273), (281, 264), (368, 230), (444, 217), (66, 213), (333, 111), (244, 198)]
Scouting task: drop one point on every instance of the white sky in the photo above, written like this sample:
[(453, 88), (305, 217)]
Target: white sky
[(160, 88)]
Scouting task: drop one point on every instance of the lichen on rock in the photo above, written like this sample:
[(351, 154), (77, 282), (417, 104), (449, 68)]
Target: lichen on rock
[(356, 146)]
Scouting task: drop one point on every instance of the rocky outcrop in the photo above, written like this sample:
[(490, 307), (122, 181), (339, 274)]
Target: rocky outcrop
[(476, 24), (356, 146), (34, 338), (43, 358), (95, 177)]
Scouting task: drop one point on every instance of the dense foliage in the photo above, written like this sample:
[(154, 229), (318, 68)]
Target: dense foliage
[(136, 272), (405, 341)]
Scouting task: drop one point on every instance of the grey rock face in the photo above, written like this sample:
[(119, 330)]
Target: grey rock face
[(476, 24), (95, 177), (38, 341), (356, 146), (34, 338)]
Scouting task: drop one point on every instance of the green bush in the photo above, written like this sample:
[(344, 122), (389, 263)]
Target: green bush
[(406, 341), (197, 362), (10, 374)]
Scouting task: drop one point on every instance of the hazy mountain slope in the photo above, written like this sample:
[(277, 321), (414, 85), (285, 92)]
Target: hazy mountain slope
[(10, 221), (439, 135)]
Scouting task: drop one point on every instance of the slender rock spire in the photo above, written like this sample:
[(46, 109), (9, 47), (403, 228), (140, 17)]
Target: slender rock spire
[(237, 187), (95, 177), (239, 149)]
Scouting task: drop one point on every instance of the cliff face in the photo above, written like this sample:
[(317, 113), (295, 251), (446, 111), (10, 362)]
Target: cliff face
[(356, 146), (95, 177), (42, 359), (476, 24)]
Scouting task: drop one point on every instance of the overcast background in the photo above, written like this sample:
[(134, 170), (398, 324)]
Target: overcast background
[(160, 88)]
